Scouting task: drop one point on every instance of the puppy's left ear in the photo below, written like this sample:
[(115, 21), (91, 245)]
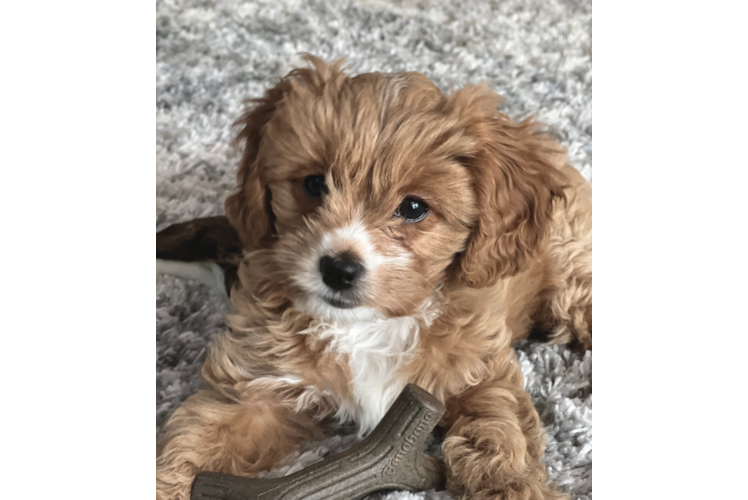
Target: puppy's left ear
[(515, 183)]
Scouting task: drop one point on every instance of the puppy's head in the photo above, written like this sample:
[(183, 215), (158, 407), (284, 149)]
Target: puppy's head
[(373, 191)]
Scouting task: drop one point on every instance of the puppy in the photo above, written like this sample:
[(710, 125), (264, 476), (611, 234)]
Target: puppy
[(391, 234)]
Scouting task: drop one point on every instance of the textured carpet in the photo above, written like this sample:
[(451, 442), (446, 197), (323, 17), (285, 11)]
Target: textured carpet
[(213, 54)]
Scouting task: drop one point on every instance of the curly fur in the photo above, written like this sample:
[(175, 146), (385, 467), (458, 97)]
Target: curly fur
[(506, 247)]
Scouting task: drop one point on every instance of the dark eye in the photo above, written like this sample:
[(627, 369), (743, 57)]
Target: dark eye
[(412, 210), (314, 186)]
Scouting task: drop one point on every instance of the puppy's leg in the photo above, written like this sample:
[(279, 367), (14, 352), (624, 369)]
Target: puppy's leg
[(565, 314), (495, 446), (210, 433)]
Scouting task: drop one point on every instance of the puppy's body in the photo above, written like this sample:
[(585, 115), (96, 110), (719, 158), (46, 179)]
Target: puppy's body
[(437, 300)]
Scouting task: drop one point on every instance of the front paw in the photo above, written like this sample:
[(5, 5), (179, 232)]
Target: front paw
[(173, 491), (482, 466), (174, 482)]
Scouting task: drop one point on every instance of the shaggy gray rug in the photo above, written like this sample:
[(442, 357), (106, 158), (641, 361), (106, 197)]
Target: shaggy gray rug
[(213, 54)]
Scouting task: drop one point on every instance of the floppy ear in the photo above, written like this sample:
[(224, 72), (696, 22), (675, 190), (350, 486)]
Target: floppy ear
[(248, 209), (515, 185)]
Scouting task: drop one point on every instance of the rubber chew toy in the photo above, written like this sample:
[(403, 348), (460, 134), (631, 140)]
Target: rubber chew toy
[(392, 457)]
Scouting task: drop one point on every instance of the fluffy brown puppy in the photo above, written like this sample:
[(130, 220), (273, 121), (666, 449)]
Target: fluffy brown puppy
[(392, 234)]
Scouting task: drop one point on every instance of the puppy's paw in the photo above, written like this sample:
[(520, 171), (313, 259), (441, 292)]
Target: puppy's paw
[(486, 469), (173, 484)]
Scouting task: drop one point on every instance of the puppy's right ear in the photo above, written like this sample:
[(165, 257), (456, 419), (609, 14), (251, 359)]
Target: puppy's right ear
[(248, 208)]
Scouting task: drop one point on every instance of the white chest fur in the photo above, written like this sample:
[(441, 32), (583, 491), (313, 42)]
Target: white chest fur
[(376, 350)]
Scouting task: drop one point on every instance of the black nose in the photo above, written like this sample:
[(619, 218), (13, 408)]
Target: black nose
[(340, 273)]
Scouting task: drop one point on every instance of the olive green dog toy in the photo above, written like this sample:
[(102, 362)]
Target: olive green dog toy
[(392, 457)]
